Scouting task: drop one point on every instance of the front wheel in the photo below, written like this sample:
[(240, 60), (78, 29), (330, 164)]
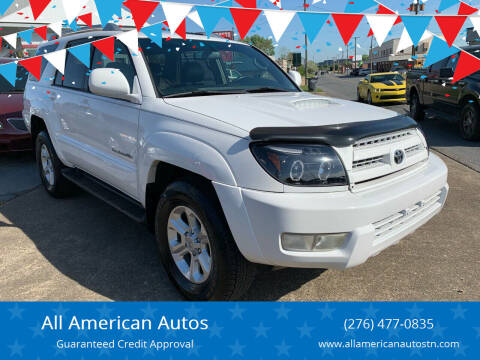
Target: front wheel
[(416, 109), (370, 101), (196, 246), (359, 98), (469, 122)]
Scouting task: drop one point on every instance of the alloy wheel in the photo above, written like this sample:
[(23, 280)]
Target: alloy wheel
[(47, 165)]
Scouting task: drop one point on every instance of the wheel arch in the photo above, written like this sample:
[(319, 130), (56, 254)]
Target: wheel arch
[(468, 98), (37, 124)]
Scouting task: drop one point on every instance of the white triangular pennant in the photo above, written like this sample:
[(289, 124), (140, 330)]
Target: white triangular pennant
[(381, 25), (130, 39), (72, 8), (476, 23), (195, 18), (11, 40), (406, 42), (57, 59), (56, 28), (175, 14), (278, 21)]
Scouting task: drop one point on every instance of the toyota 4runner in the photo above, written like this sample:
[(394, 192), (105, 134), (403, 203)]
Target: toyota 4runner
[(228, 170)]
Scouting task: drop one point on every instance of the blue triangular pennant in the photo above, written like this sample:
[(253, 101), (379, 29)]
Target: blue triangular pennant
[(82, 53), (439, 50), (416, 26), (445, 4), (74, 25), (154, 33), (312, 23), (107, 8), (26, 35), (359, 6), (210, 16), (9, 72)]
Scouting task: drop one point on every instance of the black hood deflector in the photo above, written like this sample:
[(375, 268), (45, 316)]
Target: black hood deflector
[(339, 135)]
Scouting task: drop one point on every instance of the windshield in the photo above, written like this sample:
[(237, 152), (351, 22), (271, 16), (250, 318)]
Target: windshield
[(195, 67), (386, 77), (6, 87)]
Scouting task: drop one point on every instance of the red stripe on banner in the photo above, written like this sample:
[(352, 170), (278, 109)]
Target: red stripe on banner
[(42, 32), (33, 66), (182, 30), (450, 26), (244, 19), (38, 6), (106, 46), (252, 4), (467, 65), (466, 9), (87, 19), (347, 24), (141, 11)]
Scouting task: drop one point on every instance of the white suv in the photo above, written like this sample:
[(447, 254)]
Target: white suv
[(230, 171)]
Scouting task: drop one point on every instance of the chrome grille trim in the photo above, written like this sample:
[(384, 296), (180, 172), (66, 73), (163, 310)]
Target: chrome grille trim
[(383, 139)]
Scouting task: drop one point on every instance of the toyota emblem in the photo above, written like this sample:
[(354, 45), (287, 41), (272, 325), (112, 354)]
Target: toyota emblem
[(399, 156)]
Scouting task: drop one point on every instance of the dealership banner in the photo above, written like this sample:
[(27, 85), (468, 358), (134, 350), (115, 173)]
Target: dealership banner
[(240, 330)]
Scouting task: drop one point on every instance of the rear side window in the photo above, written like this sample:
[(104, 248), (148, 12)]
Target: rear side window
[(42, 51), (6, 87)]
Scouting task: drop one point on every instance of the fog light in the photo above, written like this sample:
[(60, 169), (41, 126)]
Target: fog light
[(313, 242)]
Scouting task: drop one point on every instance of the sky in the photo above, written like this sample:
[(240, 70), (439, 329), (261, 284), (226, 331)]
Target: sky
[(328, 43)]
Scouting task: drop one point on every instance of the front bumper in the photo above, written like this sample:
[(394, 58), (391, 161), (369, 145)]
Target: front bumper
[(375, 219), (13, 139), (389, 96)]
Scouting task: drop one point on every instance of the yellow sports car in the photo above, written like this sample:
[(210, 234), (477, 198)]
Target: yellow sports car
[(382, 88)]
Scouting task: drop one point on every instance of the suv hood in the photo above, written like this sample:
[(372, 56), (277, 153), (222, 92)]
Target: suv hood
[(249, 111)]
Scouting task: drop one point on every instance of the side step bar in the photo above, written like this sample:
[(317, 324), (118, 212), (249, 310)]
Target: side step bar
[(105, 192)]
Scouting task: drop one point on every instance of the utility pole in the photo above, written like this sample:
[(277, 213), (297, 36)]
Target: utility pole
[(355, 58), (306, 47), (348, 59), (371, 55)]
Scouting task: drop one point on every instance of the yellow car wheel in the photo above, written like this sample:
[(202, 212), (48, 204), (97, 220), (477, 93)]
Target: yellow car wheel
[(369, 98), (359, 98)]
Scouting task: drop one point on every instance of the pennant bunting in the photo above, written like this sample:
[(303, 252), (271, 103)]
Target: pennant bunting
[(33, 66), (106, 9), (251, 4), (359, 6), (381, 26), (106, 47), (450, 26), (74, 25), (175, 13), (11, 40), (210, 17), (476, 22), (312, 23), (466, 9), (416, 26), (384, 10), (82, 53), (87, 19), (467, 65), (37, 6), (9, 72), (42, 32), (278, 21), (130, 39), (26, 35), (56, 28), (57, 59), (196, 18), (73, 8), (154, 33), (277, 3), (244, 19), (142, 10), (445, 4), (439, 50), (4, 5), (347, 24), (182, 30), (370, 33), (405, 42)]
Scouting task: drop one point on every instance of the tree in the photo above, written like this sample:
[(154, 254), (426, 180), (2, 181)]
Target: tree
[(264, 44), (312, 68)]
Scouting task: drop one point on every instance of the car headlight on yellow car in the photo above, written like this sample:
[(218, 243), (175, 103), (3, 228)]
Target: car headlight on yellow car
[(378, 90)]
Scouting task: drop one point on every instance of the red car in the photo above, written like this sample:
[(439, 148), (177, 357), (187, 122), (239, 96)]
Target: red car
[(13, 133)]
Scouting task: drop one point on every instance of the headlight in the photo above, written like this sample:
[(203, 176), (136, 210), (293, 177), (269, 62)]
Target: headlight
[(378, 90), (301, 165)]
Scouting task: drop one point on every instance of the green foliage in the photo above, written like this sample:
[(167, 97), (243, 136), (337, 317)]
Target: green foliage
[(264, 44), (312, 69)]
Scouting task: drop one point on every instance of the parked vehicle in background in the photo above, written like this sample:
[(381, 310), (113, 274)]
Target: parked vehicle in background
[(400, 69), (230, 173), (382, 88), (14, 135), (364, 72), (434, 90), (355, 72)]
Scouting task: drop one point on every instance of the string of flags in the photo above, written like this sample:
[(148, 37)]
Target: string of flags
[(207, 16)]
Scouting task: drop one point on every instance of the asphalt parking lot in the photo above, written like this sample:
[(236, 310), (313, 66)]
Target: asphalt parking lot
[(81, 249)]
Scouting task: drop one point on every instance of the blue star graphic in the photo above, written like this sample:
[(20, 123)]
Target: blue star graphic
[(459, 312), (237, 349), (16, 349), (415, 351), (327, 312), (148, 351), (237, 312), (16, 312), (193, 311), (415, 311), (104, 311), (283, 349), (149, 312), (261, 330), (194, 350), (59, 351), (370, 312), (372, 352), (60, 310), (305, 330), (37, 330), (326, 352), (282, 312), (461, 350), (438, 330), (104, 351), (215, 330), (393, 332), (477, 330)]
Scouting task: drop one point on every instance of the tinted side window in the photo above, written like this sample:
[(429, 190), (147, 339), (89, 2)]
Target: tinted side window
[(123, 62), (439, 65), (42, 51)]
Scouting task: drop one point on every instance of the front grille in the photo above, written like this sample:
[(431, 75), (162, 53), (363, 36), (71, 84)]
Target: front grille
[(412, 150), (369, 162), (18, 123), (392, 97), (384, 139), (405, 217)]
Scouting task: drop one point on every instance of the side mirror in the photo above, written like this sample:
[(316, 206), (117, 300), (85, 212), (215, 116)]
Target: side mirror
[(111, 83), (296, 77), (446, 73)]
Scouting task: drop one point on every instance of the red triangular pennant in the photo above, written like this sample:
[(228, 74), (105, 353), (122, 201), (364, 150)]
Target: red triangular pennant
[(467, 65), (182, 30), (244, 19), (38, 6), (252, 4), (106, 46), (450, 26), (370, 33), (398, 21), (347, 24), (33, 66), (466, 9), (141, 11), (87, 19), (384, 10), (41, 31)]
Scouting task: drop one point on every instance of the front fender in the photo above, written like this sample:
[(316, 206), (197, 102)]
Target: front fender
[(185, 152)]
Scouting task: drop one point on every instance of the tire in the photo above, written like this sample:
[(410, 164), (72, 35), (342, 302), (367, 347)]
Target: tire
[(369, 98), (229, 275), (417, 111), (469, 123), (50, 167), (359, 98)]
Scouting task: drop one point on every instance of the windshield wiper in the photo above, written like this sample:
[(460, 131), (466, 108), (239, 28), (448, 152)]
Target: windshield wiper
[(204, 93), (265, 90)]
